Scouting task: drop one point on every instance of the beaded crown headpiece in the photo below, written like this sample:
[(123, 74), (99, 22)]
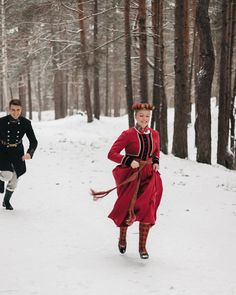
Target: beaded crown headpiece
[(143, 106)]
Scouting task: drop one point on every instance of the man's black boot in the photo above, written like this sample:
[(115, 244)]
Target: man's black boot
[(6, 200), (1, 186)]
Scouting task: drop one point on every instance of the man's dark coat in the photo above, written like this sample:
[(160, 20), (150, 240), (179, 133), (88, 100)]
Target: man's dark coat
[(11, 147)]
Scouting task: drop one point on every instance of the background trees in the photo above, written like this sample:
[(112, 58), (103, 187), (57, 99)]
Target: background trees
[(101, 56), (180, 147), (225, 155), (204, 83)]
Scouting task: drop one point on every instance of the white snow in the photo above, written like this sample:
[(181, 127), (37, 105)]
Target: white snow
[(58, 241)]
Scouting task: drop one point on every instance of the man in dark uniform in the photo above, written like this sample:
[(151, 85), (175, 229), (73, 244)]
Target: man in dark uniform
[(12, 157)]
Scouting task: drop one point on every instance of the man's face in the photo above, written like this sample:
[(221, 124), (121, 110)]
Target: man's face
[(15, 111)]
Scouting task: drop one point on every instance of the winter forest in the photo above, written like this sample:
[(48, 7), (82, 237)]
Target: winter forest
[(99, 57), (77, 67)]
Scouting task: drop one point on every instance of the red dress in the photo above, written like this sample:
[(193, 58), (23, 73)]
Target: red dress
[(148, 188)]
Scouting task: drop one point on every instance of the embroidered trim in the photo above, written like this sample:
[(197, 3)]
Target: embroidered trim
[(155, 160), (151, 145), (127, 160), (146, 132)]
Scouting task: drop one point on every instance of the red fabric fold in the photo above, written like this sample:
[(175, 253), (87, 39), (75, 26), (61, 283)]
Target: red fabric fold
[(132, 177)]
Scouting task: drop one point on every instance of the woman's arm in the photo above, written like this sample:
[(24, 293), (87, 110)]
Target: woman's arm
[(115, 152)]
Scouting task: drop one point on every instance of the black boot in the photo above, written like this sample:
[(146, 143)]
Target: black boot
[(6, 200), (1, 186), (143, 234), (122, 240)]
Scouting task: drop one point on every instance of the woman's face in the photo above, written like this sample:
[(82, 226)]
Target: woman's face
[(143, 117)]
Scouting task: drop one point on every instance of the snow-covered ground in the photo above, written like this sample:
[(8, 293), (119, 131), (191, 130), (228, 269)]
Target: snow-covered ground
[(58, 241)]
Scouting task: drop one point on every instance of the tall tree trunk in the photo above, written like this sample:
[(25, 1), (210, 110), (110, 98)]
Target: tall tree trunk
[(4, 55), (1, 97), (115, 70), (22, 93), (45, 102), (191, 59), (223, 156), (128, 68), (180, 142), (216, 21), (155, 123), (107, 82), (233, 95), (205, 77), (143, 51), (197, 66), (77, 89), (232, 121), (29, 93), (58, 78), (84, 60), (58, 94), (186, 57), (66, 91), (73, 92), (159, 117), (58, 85), (96, 65), (115, 89), (163, 126), (39, 96)]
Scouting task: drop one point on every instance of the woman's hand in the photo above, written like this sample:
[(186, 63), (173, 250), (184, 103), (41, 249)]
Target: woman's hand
[(155, 167), (134, 164)]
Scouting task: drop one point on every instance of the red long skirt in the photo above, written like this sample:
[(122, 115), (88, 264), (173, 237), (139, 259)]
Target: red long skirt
[(148, 196)]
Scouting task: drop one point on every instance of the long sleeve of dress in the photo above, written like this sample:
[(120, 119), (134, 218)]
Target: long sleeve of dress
[(115, 152), (156, 152)]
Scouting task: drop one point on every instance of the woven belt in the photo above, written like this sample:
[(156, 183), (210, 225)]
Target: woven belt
[(9, 145), (132, 177)]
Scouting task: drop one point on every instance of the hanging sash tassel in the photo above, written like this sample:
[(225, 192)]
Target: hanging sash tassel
[(102, 194)]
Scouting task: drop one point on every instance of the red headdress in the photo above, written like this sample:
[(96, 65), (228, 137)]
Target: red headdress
[(143, 106)]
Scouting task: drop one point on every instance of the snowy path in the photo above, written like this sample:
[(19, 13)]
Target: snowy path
[(57, 241)]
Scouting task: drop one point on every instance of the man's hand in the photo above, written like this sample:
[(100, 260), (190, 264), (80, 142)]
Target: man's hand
[(155, 167), (134, 164), (26, 157)]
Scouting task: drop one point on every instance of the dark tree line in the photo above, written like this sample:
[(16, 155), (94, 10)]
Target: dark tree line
[(225, 154), (204, 83)]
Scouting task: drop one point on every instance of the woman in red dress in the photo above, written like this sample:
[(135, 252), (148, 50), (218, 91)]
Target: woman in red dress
[(139, 185)]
